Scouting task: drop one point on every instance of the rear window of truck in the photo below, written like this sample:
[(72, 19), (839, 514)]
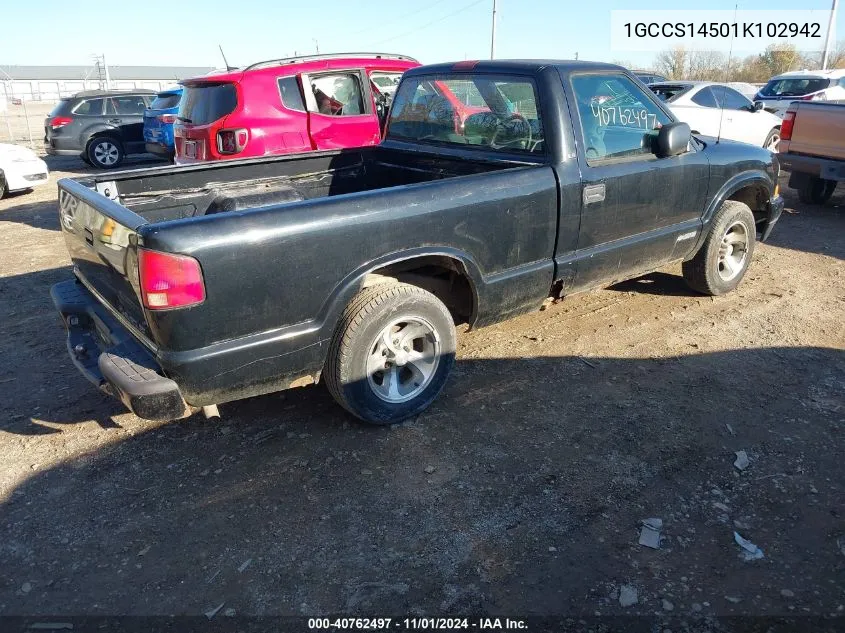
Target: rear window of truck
[(205, 103), (492, 112)]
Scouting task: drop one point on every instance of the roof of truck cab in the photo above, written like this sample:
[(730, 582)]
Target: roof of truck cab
[(316, 63), (513, 66)]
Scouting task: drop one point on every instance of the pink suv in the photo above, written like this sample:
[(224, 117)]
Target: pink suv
[(289, 105)]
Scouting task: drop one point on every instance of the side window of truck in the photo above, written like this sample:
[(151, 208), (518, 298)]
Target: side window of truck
[(338, 94), (618, 120)]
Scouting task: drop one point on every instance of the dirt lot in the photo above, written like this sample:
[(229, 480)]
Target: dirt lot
[(520, 492)]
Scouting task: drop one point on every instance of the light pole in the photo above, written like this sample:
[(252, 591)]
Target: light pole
[(829, 33), (493, 33)]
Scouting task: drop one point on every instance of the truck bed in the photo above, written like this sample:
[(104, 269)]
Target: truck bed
[(163, 194)]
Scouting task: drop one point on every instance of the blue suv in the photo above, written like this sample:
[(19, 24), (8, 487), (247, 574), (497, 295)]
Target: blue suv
[(158, 123)]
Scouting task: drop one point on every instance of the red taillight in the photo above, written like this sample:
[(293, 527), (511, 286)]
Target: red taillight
[(169, 281), (232, 141), (786, 126), (60, 121), (817, 96), (167, 118)]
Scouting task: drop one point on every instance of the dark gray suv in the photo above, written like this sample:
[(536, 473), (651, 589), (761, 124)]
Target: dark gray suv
[(100, 126)]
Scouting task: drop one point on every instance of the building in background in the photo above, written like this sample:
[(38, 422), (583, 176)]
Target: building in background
[(51, 83)]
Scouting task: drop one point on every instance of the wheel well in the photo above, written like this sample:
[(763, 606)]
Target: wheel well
[(104, 133), (444, 277), (756, 198)]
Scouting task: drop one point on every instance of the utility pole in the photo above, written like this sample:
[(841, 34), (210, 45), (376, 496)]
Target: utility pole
[(317, 45), (576, 56), (493, 33), (829, 33)]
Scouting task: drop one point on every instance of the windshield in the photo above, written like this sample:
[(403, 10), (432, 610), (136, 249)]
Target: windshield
[(206, 103), (669, 93), (794, 87), (489, 111)]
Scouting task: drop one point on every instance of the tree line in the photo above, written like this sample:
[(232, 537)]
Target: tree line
[(679, 63)]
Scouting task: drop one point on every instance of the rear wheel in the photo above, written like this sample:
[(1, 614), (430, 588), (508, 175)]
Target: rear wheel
[(772, 140), (105, 152), (815, 190), (721, 262), (4, 187), (391, 354)]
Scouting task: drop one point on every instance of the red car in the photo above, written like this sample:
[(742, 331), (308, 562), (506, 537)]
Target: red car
[(286, 106)]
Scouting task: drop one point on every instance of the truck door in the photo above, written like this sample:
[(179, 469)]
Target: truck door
[(340, 109), (638, 211)]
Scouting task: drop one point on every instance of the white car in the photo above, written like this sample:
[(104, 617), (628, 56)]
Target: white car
[(804, 85), (714, 109), (20, 169)]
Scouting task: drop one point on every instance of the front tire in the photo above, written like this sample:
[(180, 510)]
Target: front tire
[(105, 152), (4, 186), (815, 190), (721, 262), (772, 140), (391, 353)]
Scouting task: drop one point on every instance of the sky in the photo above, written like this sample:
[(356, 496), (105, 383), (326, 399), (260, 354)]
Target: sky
[(172, 33)]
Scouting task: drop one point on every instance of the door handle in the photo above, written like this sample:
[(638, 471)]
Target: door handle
[(594, 193)]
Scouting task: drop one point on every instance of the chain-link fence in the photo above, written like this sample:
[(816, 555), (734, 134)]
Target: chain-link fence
[(23, 123)]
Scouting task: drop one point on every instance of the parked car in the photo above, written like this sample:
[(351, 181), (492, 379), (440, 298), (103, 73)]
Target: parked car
[(158, 123), (718, 110), (20, 169), (286, 106), (747, 90), (99, 126), (804, 85), (649, 77), (812, 148), (353, 266)]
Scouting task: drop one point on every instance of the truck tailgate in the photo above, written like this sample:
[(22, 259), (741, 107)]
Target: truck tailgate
[(819, 130), (101, 239)]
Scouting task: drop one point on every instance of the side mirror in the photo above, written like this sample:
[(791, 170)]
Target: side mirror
[(672, 139), (758, 105)]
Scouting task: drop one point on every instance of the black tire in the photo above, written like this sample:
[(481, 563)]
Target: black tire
[(105, 152), (708, 272), (358, 336), (772, 137), (4, 188), (815, 190), (86, 160)]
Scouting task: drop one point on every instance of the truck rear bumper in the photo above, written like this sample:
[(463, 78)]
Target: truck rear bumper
[(815, 166), (108, 356)]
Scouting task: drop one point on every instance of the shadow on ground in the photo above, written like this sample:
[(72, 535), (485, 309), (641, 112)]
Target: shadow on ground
[(519, 491), (812, 228)]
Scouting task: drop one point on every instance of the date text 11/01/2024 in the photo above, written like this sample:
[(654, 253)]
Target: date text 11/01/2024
[(417, 624), (758, 30)]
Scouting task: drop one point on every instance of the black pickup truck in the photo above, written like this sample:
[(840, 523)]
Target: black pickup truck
[(498, 185)]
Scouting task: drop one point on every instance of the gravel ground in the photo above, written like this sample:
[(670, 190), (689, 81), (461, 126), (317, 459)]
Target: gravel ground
[(520, 492)]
